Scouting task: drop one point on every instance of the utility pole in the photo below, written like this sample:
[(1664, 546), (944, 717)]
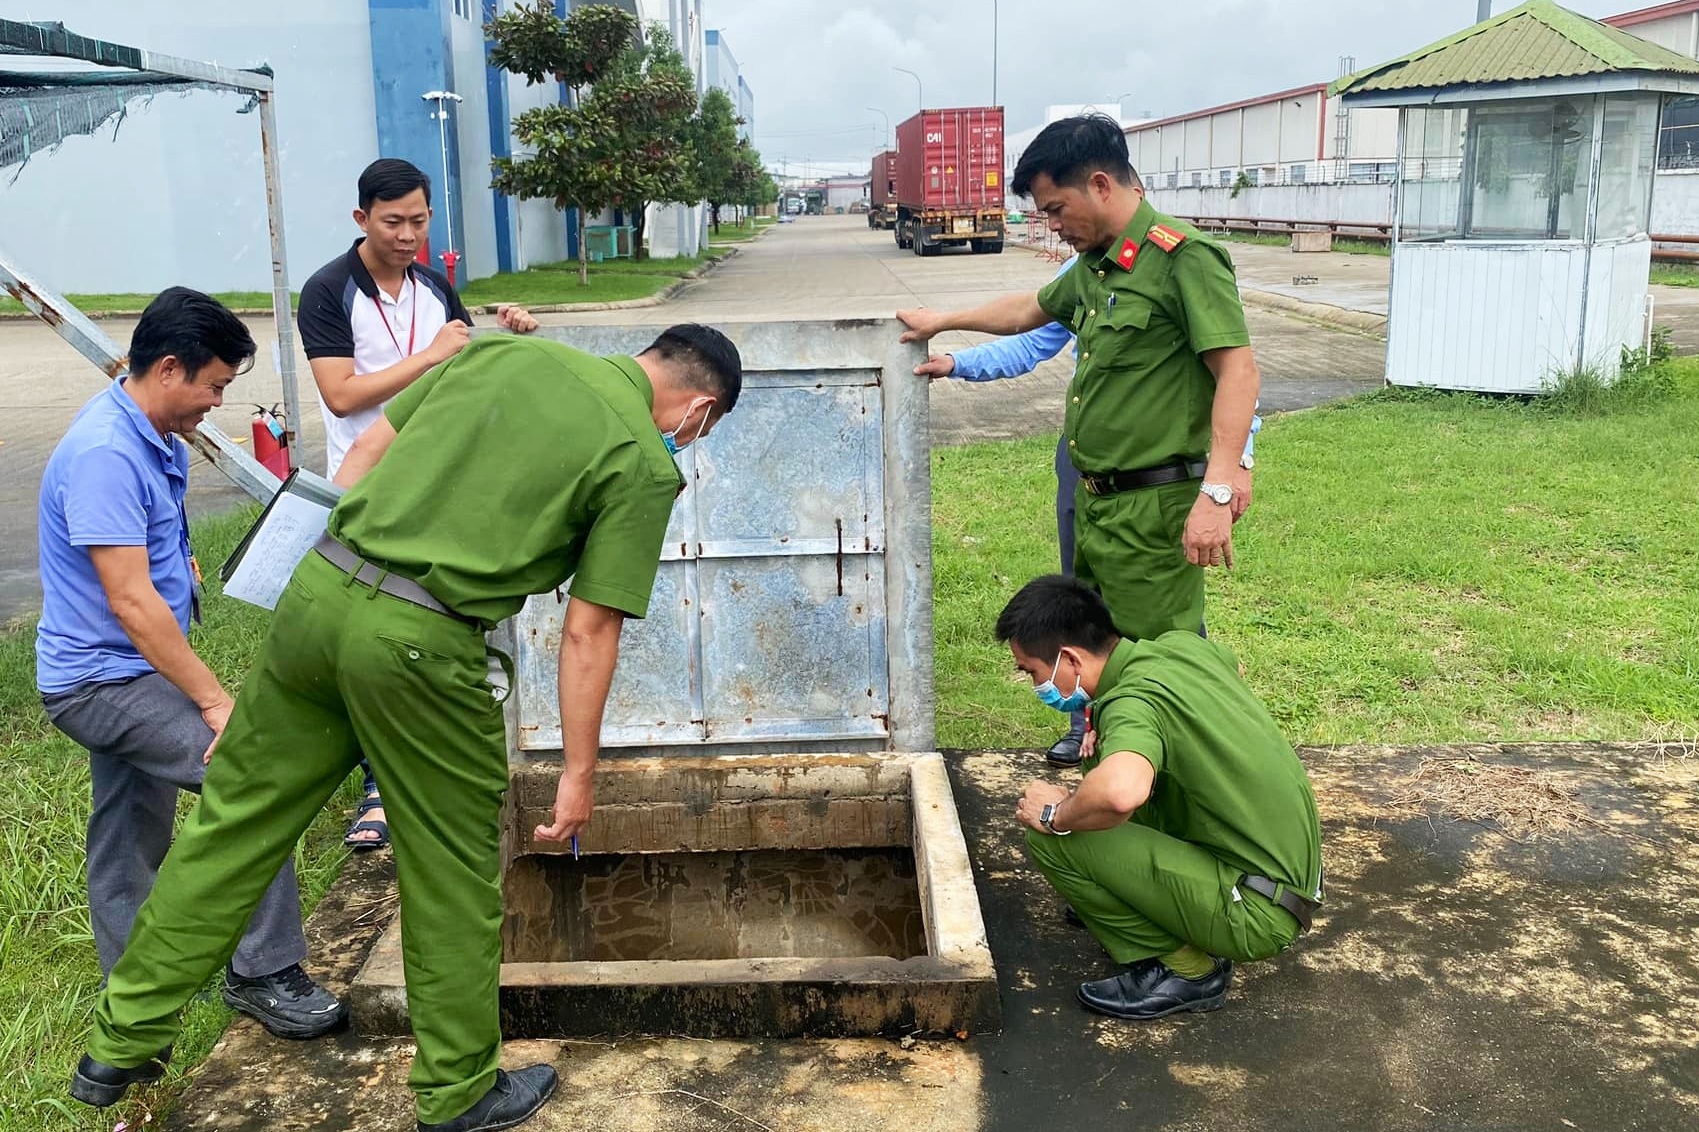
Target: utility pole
[(1484, 11), (993, 52)]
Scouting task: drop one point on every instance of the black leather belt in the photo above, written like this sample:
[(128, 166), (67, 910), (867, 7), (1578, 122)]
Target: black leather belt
[(1111, 482), (1294, 902), (369, 574)]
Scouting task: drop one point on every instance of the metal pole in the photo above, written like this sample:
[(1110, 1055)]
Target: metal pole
[(886, 137), (442, 97), (919, 97), (1484, 11), (281, 313), (993, 52)]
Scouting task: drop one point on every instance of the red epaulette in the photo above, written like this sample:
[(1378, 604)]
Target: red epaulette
[(1165, 237)]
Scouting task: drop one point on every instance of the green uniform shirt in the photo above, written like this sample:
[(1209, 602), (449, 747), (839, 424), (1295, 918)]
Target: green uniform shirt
[(517, 464), (1226, 779), (1144, 309)]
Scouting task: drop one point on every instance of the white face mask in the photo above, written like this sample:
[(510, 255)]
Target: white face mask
[(671, 438)]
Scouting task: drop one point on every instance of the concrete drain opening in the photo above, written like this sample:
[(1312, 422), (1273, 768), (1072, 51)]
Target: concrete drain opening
[(826, 903), (774, 849), (733, 896)]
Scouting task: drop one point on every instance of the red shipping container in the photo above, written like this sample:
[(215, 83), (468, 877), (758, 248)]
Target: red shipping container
[(951, 159)]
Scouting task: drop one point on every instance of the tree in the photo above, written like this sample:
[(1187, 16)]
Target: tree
[(617, 145), (715, 148)]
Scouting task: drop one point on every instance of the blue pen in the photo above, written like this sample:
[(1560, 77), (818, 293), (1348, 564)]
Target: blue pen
[(575, 847)]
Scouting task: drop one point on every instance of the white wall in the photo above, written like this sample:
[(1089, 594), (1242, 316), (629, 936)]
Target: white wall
[(1340, 203), (179, 197), (1675, 202), (1678, 33)]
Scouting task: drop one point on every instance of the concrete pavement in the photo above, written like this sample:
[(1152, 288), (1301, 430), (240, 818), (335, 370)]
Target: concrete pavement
[(819, 267)]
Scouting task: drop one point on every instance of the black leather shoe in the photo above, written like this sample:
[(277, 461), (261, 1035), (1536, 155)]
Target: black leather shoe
[(1148, 989), (1071, 917), (1065, 752), (512, 1100), (101, 1085)]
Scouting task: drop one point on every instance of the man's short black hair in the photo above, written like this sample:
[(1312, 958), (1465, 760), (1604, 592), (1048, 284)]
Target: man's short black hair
[(1054, 612), (1070, 150), (192, 327), (390, 178), (706, 361)]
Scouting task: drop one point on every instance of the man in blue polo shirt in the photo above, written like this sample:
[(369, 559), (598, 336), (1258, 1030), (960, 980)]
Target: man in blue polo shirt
[(113, 661)]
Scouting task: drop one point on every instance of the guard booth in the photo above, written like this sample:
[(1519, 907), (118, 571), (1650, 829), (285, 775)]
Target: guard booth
[(1527, 148), (775, 850)]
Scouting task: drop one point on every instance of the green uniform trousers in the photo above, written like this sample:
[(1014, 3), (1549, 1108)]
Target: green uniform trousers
[(1129, 547), (344, 669), (1143, 893)]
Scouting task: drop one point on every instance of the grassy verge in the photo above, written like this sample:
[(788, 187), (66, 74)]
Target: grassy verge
[(48, 970), (738, 233), (1675, 274), (1415, 568), (540, 287), (1344, 245), (133, 303)]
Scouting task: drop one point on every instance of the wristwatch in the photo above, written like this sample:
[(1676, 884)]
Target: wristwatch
[(1218, 492), (1247, 461), (1048, 814)]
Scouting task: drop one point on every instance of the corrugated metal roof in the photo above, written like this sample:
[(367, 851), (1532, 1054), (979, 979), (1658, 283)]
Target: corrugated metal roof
[(1539, 40)]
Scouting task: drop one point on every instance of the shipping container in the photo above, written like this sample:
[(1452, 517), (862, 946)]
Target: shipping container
[(882, 191), (949, 179)]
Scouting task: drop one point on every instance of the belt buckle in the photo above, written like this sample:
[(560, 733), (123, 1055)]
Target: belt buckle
[(1091, 485)]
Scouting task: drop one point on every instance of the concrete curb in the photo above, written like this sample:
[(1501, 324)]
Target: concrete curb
[(1365, 322), (654, 300)]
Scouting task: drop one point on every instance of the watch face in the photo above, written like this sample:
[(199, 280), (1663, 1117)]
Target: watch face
[(1219, 493)]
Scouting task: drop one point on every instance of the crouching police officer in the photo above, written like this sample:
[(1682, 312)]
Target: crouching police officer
[(1192, 841)]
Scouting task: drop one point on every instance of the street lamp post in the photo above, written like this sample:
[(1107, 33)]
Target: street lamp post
[(993, 52), (918, 96), (1484, 11), (442, 97), (887, 134)]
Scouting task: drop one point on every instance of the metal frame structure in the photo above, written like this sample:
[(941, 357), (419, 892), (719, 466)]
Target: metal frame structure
[(54, 41)]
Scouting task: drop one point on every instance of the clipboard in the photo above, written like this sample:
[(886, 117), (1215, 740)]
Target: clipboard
[(260, 567)]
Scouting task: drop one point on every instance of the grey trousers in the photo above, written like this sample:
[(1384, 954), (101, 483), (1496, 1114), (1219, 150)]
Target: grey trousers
[(1067, 479), (145, 740)]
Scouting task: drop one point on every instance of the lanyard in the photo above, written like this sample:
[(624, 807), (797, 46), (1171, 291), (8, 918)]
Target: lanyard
[(412, 330)]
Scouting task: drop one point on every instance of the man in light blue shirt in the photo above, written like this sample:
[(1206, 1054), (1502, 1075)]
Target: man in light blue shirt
[(114, 665), (1017, 356)]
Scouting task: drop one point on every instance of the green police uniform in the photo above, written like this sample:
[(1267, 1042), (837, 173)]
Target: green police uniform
[(1144, 311), (517, 464), (1230, 799)]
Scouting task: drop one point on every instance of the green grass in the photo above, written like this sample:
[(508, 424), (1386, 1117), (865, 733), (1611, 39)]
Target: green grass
[(1675, 274), (132, 303), (730, 233), (1343, 245), (1415, 568), (675, 266), (48, 970), (539, 287)]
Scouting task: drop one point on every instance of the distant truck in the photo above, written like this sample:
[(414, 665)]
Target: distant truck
[(882, 191), (949, 178)]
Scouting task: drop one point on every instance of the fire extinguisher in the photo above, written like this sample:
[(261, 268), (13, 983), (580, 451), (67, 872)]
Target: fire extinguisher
[(271, 441)]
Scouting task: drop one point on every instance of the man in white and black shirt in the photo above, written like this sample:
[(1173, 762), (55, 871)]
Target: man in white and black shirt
[(372, 322)]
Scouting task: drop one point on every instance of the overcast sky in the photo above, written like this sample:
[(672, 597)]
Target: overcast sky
[(816, 65)]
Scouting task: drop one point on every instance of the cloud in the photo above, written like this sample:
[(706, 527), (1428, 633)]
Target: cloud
[(816, 65)]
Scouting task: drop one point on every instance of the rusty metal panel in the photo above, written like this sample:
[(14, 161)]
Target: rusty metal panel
[(776, 616)]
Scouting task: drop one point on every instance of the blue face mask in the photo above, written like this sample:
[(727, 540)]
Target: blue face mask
[(1051, 696), (670, 439)]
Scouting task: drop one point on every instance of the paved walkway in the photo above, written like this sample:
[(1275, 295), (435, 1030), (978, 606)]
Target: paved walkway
[(819, 267), (1457, 978)]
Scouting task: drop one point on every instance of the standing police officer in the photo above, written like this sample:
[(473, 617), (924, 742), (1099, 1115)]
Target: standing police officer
[(1161, 403)]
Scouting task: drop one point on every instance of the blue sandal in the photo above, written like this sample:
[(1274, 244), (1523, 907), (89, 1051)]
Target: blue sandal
[(363, 824)]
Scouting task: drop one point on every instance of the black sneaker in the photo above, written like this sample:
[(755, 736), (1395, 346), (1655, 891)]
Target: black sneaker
[(513, 1099), (1149, 989), (286, 1002), (99, 1084)]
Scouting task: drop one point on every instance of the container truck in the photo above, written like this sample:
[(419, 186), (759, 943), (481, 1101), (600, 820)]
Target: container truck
[(882, 191), (949, 180)]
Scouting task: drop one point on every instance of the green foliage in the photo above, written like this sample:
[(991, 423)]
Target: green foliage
[(617, 147), (1240, 184)]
